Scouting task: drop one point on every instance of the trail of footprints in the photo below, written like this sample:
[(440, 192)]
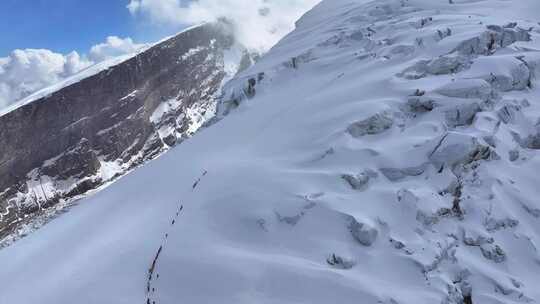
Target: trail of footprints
[(153, 275)]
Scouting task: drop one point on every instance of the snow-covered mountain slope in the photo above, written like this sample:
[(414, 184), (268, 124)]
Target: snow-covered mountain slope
[(384, 152)]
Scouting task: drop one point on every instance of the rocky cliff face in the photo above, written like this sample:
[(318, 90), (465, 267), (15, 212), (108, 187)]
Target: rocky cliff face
[(85, 135)]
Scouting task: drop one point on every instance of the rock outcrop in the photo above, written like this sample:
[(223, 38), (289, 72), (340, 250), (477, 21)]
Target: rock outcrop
[(87, 134)]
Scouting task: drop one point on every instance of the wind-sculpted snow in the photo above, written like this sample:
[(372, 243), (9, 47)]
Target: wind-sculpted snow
[(383, 152)]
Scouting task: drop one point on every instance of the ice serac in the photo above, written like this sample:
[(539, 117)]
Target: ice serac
[(93, 131)]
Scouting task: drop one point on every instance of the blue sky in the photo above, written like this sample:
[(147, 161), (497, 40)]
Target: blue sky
[(47, 31), (66, 25)]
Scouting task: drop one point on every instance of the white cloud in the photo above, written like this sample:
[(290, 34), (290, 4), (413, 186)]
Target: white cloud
[(74, 63), (259, 24), (24, 72), (113, 47)]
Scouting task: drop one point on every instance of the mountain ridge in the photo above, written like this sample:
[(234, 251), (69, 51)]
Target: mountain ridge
[(85, 135)]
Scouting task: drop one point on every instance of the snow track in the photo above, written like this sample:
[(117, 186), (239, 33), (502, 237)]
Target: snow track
[(153, 271)]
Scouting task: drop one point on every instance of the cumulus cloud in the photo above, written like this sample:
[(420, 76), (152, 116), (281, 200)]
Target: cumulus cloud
[(112, 47), (24, 72), (259, 23)]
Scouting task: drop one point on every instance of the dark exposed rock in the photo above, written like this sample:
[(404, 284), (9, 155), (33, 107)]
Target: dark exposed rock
[(81, 160)]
